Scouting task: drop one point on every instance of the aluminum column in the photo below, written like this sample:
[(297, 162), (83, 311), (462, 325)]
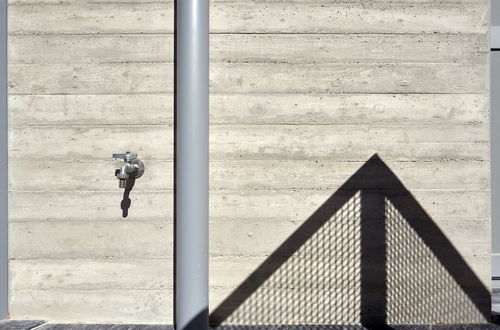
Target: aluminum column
[(192, 58)]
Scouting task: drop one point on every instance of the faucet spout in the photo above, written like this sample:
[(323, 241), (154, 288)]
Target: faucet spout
[(123, 173), (131, 166)]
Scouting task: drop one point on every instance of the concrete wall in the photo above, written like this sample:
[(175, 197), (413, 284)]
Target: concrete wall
[(303, 93), (4, 274)]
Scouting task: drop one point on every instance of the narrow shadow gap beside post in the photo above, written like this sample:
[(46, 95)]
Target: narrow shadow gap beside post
[(174, 206)]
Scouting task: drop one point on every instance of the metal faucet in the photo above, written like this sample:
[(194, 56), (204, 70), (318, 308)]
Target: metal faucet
[(132, 167)]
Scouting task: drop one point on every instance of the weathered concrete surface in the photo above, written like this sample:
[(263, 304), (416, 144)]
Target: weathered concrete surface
[(116, 306), (255, 142), (251, 78), (303, 93), (72, 176), (255, 48), (262, 108), (80, 207), (250, 16)]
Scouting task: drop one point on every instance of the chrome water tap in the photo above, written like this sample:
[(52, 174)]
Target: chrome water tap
[(132, 168)]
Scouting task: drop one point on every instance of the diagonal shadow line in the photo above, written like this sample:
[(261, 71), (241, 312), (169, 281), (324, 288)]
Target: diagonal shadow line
[(293, 243), (448, 257), (377, 177), (278, 257), (431, 234)]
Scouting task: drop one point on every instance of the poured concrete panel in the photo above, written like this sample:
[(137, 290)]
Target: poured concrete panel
[(303, 95), (4, 308)]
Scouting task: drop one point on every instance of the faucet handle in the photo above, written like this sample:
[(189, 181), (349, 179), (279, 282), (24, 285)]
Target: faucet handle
[(128, 156)]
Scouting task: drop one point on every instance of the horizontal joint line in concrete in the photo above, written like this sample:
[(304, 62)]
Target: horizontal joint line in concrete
[(313, 124), (215, 161), (118, 259), (236, 191), (476, 256), (219, 93), (124, 288), (212, 220), (249, 123), (270, 62), (164, 221), (291, 159), (273, 33), (227, 191), (96, 34), (229, 62), (257, 93), (318, 2), (91, 258), (64, 3)]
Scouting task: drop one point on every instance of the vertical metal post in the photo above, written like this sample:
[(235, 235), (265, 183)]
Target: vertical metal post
[(192, 58), (3, 162), (494, 140)]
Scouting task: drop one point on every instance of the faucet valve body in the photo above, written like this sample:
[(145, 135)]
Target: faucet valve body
[(132, 167)]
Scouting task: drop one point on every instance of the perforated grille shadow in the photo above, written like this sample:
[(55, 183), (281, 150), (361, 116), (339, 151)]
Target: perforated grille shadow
[(369, 255), (419, 288)]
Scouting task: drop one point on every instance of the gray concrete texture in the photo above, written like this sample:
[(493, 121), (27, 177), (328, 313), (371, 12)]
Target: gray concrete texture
[(303, 93), (4, 218)]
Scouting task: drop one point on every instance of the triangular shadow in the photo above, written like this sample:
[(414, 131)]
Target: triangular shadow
[(384, 202)]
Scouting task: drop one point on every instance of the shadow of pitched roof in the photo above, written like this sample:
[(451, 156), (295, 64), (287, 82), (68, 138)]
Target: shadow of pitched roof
[(400, 268)]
